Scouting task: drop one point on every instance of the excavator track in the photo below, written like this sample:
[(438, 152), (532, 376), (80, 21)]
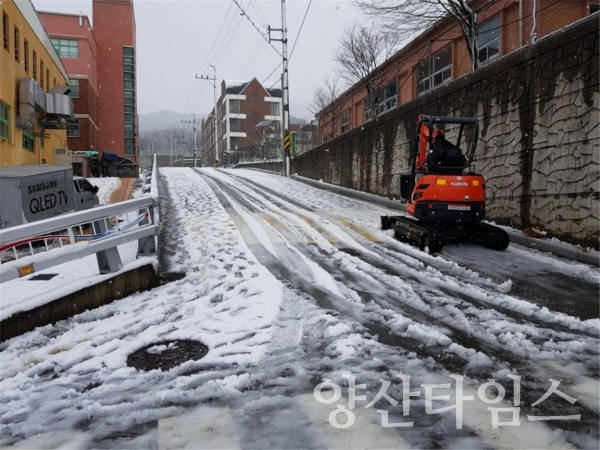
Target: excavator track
[(435, 236)]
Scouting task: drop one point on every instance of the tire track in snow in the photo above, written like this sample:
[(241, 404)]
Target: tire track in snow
[(514, 361), (585, 291)]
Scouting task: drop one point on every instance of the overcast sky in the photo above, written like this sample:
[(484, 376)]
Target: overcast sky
[(177, 40)]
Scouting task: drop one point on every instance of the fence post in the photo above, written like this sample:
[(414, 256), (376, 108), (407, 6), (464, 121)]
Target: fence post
[(109, 260), (147, 245)]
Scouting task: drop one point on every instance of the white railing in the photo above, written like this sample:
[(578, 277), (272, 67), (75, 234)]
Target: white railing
[(36, 246)]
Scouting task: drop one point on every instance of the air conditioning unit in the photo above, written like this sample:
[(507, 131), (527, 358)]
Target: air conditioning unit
[(62, 157)]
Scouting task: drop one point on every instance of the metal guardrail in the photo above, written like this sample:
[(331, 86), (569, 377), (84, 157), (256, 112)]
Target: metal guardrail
[(40, 245)]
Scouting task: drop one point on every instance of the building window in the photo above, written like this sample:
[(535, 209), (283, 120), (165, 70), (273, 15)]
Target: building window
[(4, 121), (234, 106), (345, 118), (5, 30), (439, 72), (42, 74), (488, 40), (129, 146), (274, 109), (368, 112), (34, 65), (74, 88), (66, 48), (255, 96), (17, 44), (235, 125), (130, 118), (28, 140), (26, 55), (389, 98), (47, 79), (130, 109), (73, 128)]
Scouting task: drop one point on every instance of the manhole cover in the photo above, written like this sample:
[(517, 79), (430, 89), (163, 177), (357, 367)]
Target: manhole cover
[(167, 354)]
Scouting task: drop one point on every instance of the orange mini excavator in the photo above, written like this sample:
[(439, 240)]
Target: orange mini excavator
[(446, 201)]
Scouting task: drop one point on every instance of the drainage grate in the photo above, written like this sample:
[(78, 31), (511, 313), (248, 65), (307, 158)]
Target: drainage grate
[(167, 354), (43, 277)]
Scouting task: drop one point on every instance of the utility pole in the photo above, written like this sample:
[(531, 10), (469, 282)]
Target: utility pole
[(285, 95), (213, 81), (194, 122)]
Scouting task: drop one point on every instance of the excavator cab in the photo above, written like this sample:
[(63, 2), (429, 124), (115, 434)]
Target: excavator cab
[(446, 200), (434, 153)]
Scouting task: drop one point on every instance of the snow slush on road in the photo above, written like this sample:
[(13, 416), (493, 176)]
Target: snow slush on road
[(322, 331)]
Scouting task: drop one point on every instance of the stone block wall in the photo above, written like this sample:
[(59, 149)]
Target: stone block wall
[(539, 137)]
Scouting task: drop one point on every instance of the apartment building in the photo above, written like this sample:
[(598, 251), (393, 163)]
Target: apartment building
[(241, 107), (34, 109), (440, 55), (100, 60), (73, 38)]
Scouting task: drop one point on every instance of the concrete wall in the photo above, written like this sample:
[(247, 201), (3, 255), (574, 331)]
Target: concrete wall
[(120, 286), (538, 110)]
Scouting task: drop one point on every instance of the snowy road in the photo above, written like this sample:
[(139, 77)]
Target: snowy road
[(288, 286)]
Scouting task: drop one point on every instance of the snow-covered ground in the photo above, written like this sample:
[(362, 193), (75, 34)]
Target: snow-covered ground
[(289, 287), (106, 186)]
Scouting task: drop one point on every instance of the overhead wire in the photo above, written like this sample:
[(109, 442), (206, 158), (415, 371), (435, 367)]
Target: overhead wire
[(228, 43), (300, 30), (259, 12), (219, 50), (217, 37), (195, 85), (245, 14), (261, 43)]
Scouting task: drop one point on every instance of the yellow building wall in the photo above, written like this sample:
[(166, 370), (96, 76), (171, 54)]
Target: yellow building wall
[(11, 72)]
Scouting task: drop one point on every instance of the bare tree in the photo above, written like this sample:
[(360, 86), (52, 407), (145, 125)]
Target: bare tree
[(406, 18), (360, 55), (326, 98)]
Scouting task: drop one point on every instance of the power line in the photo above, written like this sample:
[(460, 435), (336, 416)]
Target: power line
[(301, 25), (228, 43), (256, 27), (259, 12), (252, 58), (268, 76), (217, 38)]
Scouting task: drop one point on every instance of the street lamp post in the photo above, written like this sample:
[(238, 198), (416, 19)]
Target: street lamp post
[(213, 81), (194, 116)]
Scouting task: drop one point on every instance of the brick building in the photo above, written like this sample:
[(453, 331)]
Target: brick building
[(73, 38), (100, 61), (241, 106), (440, 55)]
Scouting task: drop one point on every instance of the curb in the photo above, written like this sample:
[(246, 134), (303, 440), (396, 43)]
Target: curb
[(592, 258), (122, 285)]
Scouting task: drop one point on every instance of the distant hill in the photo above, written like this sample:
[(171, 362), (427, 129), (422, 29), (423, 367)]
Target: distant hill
[(164, 119)]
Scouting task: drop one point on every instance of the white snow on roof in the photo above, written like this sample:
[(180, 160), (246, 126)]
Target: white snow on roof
[(234, 83)]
